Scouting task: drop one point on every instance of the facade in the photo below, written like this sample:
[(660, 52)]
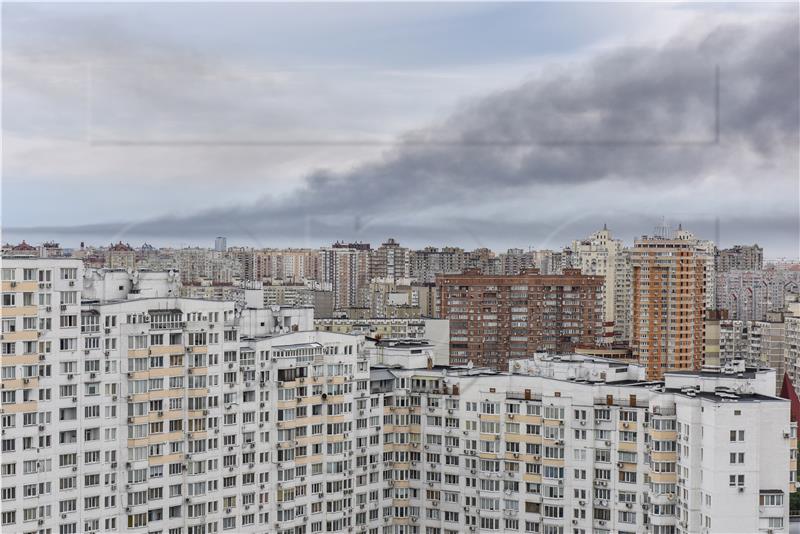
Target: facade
[(750, 295), (120, 256), (766, 344), (425, 264), (199, 264), (214, 291), (291, 266), (436, 332), (494, 319), (740, 258), (602, 255), (570, 444), (515, 260), (390, 261), (733, 341), (347, 269), (712, 332), (668, 301)]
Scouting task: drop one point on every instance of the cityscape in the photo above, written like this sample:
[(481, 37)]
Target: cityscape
[(400, 268), (360, 387)]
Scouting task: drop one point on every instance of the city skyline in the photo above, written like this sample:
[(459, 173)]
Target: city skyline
[(209, 244), (529, 137)]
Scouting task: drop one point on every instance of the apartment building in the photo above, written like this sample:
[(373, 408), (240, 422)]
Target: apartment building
[(602, 255), (197, 264), (571, 444), (668, 302), (772, 342), (497, 318), (750, 295), (425, 264), (346, 267), (515, 260), (120, 256), (740, 258), (390, 261)]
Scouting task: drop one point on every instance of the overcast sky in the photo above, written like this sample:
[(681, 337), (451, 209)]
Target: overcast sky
[(471, 124)]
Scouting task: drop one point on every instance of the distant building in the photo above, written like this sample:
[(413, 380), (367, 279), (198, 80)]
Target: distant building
[(601, 255), (425, 264), (221, 244), (390, 261), (740, 258), (276, 294), (494, 319), (750, 295), (120, 256), (668, 296), (347, 269)]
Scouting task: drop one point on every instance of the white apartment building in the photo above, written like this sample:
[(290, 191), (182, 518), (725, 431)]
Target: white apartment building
[(582, 445), (188, 416), (602, 255)]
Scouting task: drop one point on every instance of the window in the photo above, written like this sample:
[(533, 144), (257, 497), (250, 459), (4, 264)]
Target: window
[(736, 480)]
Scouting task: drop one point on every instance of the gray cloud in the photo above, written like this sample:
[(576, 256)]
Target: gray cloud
[(633, 117)]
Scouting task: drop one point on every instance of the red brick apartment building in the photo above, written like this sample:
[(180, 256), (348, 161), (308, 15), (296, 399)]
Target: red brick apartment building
[(495, 318)]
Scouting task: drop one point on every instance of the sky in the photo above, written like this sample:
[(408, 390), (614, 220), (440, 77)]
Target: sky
[(471, 124)]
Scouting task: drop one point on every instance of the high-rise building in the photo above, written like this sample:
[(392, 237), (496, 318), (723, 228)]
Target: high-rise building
[(602, 255), (740, 258), (347, 269), (425, 264), (668, 297), (221, 244), (390, 261), (497, 318), (706, 251), (570, 444), (515, 260)]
